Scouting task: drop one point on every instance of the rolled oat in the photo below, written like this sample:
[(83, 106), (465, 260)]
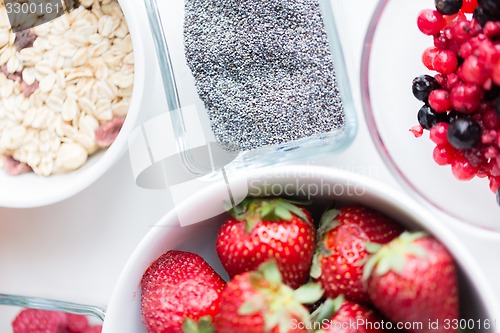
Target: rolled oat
[(61, 83)]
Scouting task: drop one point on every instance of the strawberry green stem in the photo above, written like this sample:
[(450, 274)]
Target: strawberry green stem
[(392, 256), (204, 325), (253, 210), (278, 303)]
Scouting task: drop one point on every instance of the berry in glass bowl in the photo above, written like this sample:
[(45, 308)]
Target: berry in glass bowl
[(434, 72), (464, 90)]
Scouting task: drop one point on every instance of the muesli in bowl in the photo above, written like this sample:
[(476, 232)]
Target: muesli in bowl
[(70, 92)]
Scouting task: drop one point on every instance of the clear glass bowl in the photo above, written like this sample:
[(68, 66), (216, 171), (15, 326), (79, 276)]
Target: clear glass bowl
[(391, 59), (166, 20)]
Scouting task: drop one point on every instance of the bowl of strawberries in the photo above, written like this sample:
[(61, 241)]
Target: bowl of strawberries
[(309, 249)]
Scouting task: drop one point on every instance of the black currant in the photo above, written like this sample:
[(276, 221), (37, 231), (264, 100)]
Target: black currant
[(492, 93), (491, 7), (452, 115), (448, 7), (496, 105), (427, 117), (464, 133), (422, 86), (482, 17)]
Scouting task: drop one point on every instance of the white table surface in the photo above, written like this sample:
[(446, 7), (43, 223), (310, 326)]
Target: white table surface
[(74, 250)]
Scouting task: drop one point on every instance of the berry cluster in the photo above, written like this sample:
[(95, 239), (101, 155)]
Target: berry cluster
[(462, 100), (38, 321)]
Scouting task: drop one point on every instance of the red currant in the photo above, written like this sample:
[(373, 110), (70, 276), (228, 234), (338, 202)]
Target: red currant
[(490, 120), (439, 100), (428, 56), (468, 6), (444, 154), (474, 70), (461, 31), (445, 61), (495, 73), (462, 169), (466, 97), (494, 183), (491, 29), (438, 133), (430, 22)]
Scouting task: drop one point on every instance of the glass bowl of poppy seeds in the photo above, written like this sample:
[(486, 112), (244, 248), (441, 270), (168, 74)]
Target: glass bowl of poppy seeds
[(430, 109), (267, 78)]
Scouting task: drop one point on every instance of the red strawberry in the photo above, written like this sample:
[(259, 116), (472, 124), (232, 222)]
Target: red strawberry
[(343, 233), (179, 285), (268, 228), (341, 316), (259, 302), (413, 279), (39, 321)]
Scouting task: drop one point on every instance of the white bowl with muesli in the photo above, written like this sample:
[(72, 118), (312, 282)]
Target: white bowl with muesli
[(70, 93)]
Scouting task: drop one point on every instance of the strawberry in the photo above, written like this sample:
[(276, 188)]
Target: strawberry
[(39, 321), (413, 279), (341, 253), (178, 289), (259, 302), (262, 229), (341, 316)]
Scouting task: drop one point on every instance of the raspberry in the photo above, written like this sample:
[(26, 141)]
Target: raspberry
[(439, 100), (466, 97), (445, 61), (76, 323), (430, 22), (39, 321), (93, 329), (462, 169)]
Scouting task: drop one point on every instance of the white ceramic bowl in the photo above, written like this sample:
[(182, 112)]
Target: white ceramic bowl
[(30, 190), (123, 311)]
